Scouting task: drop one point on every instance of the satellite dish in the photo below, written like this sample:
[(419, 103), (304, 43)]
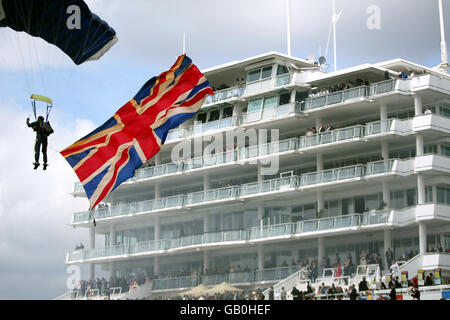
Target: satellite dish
[(322, 60), (311, 57)]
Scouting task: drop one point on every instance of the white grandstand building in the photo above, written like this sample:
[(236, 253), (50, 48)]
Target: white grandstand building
[(251, 214)]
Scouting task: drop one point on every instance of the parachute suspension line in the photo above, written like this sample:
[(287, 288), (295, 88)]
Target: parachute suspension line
[(39, 67), (82, 49), (33, 105)]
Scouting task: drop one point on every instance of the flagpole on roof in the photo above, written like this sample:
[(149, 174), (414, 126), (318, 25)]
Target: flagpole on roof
[(444, 65), (334, 34), (288, 27), (184, 42)]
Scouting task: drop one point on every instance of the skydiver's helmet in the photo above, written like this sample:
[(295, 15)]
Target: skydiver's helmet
[(40, 119)]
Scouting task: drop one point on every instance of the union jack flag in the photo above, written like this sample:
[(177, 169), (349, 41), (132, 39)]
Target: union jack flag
[(109, 155)]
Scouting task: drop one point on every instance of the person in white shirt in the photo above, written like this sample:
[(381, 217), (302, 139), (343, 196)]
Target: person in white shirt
[(428, 111)]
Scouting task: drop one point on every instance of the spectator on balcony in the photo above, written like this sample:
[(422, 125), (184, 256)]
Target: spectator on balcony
[(352, 292), (271, 293), (393, 293), (314, 272), (329, 127), (427, 111), (397, 283), (389, 257), (313, 130), (430, 248), (362, 286), (439, 247), (338, 270), (429, 279), (321, 128), (283, 294), (309, 132)]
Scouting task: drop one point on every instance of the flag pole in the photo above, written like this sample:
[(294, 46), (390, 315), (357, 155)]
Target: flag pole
[(334, 34), (288, 27), (184, 42), (444, 55)]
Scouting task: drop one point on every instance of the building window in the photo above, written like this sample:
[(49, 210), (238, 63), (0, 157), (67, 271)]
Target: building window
[(282, 70), (259, 74)]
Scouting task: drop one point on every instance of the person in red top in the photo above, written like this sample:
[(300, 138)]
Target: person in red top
[(338, 271), (415, 282)]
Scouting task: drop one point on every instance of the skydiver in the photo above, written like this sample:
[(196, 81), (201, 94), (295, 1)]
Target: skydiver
[(42, 132)]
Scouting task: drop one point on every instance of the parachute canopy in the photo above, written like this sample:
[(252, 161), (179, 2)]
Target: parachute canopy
[(68, 24), (38, 97)]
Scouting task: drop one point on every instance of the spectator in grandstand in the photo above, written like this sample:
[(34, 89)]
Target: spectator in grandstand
[(314, 272), (295, 293), (352, 292), (415, 293), (439, 247), (271, 293), (363, 285), (283, 293), (393, 293), (397, 283), (321, 128), (430, 248), (428, 111), (329, 127), (429, 279)]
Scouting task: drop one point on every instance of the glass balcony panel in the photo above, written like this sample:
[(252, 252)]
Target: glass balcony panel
[(266, 84), (210, 160), (158, 204), (226, 122), (282, 80), (173, 134), (173, 202), (213, 237), (253, 116), (212, 125), (353, 93), (318, 102), (172, 167), (231, 236), (326, 224), (334, 98), (194, 198), (250, 188), (225, 193), (345, 134), (326, 137), (266, 186), (283, 110), (343, 222), (269, 113), (327, 176), (310, 226), (198, 128), (210, 195)]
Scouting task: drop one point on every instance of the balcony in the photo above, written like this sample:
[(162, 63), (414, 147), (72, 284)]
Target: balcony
[(267, 84), (270, 113), (353, 94), (249, 190), (224, 95), (286, 230)]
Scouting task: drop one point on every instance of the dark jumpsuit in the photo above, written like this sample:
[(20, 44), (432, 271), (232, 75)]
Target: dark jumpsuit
[(41, 139)]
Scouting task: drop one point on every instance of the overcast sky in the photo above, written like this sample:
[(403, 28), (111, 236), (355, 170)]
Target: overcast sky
[(35, 206)]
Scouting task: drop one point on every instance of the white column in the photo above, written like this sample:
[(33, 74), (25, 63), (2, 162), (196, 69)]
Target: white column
[(260, 257), (205, 260), (157, 159), (320, 254), (92, 246), (420, 189), (157, 228), (419, 144), (384, 150), (387, 245), (156, 266), (112, 242), (383, 111), (386, 194), (237, 111), (206, 223), (418, 105), (157, 191), (318, 122), (206, 182), (319, 161), (422, 237), (260, 176), (157, 237), (320, 201)]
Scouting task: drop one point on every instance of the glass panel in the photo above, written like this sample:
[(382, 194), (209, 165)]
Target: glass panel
[(440, 192), (254, 105), (282, 70), (266, 72), (270, 102), (253, 75)]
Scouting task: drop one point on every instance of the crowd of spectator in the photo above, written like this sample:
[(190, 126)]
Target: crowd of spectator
[(338, 87)]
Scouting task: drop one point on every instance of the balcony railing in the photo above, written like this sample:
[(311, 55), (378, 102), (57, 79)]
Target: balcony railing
[(223, 95), (270, 113), (332, 136), (234, 192), (255, 233), (268, 83), (349, 94)]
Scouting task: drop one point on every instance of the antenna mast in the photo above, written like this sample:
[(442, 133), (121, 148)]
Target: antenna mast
[(444, 64), (288, 27), (334, 33)]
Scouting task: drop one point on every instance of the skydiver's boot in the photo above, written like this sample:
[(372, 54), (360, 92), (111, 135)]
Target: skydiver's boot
[(36, 165), (45, 166)]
